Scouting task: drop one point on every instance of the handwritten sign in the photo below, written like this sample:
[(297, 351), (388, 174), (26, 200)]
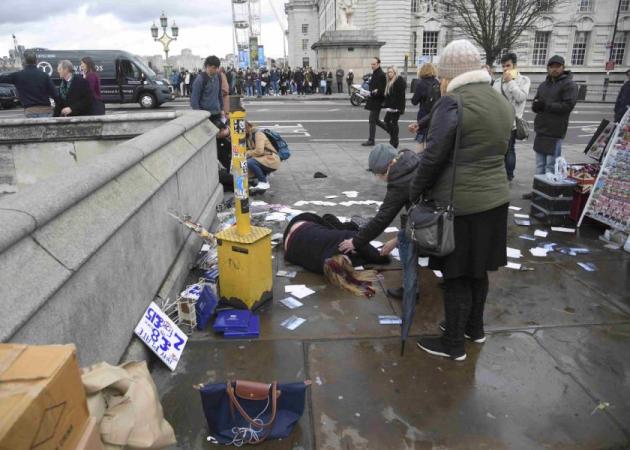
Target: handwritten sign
[(161, 335)]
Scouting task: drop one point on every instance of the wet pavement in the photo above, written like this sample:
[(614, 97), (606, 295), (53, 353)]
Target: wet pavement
[(558, 344)]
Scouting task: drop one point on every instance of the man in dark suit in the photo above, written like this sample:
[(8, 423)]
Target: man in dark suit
[(375, 100), (75, 96)]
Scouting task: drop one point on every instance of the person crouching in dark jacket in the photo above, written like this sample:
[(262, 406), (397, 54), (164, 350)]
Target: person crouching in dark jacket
[(397, 169), (394, 104), (75, 96)]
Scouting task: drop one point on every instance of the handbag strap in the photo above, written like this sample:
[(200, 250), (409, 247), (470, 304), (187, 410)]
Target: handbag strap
[(458, 138), (274, 400)]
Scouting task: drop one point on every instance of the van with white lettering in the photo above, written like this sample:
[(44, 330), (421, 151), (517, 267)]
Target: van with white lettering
[(124, 77)]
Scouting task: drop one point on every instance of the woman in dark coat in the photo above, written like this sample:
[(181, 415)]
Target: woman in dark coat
[(426, 93), (312, 242), (89, 73), (394, 104), (481, 192)]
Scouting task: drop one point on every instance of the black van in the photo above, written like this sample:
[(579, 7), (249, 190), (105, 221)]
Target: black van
[(124, 77)]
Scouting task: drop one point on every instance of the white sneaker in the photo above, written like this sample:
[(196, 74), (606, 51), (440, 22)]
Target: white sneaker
[(261, 186)]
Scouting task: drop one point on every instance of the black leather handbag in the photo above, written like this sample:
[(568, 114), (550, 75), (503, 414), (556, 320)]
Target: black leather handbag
[(432, 226)]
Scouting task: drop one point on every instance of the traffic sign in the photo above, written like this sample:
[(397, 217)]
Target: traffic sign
[(610, 65)]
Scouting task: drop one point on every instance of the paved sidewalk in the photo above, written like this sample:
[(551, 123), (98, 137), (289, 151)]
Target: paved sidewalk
[(558, 344)]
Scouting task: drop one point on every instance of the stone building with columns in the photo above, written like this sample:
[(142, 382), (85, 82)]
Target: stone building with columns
[(580, 30)]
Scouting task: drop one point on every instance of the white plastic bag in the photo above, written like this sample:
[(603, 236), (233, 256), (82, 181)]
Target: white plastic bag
[(561, 170)]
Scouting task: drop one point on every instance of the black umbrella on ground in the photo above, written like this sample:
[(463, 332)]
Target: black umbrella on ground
[(408, 311)]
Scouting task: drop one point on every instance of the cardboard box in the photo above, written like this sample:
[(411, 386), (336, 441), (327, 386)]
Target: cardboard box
[(91, 439), (42, 400)]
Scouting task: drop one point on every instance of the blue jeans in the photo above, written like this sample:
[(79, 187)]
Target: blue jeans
[(258, 88), (409, 259), (276, 87), (250, 90), (546, 163), (259, 171)]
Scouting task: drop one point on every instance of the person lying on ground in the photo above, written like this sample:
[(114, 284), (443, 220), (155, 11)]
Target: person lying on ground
[(312, 242), (262, 157)]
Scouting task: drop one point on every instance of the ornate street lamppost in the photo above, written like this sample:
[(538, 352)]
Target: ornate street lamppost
[(165, 39)]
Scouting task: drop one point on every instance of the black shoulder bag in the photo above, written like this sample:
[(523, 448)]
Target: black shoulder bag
[(431, 227)]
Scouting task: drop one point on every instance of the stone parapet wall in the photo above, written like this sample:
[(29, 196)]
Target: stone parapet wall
[(83, 253), (35, 149)]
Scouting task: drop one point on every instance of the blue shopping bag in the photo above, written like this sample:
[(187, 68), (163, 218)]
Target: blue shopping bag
[(247, 412)]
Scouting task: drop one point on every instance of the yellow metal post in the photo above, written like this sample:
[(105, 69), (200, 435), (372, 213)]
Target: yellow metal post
[(239, 172), (245, 269)]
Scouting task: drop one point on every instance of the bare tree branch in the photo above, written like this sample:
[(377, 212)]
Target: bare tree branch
[(496, 25)]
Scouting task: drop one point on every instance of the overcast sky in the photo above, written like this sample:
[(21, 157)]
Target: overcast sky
[(205, 26)]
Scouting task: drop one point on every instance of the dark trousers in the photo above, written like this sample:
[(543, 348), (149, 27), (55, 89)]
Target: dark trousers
[(340, 87), (224, 152), (328, 87), (349, 88), (464, 302), (374, 120), (510, 156), (391, 126)]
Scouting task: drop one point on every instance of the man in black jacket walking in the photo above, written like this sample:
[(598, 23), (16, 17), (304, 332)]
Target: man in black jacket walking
[(554, 101), (75, 95), (375, 100), (35, 88)]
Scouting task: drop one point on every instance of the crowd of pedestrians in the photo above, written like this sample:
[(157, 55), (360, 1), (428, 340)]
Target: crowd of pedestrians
[(276, 81)]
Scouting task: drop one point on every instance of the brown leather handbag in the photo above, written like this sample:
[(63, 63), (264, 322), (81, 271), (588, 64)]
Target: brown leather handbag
[(254, 391)]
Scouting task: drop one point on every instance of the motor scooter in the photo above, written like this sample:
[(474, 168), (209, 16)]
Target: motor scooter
[(360, 92)]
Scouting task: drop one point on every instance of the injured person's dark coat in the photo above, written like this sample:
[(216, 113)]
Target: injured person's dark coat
[(318, 239)]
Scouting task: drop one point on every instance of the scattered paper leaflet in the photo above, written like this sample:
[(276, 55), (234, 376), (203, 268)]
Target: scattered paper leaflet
[(161, 335)]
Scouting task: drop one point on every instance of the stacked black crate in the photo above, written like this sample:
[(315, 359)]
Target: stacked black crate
[(551, 200)]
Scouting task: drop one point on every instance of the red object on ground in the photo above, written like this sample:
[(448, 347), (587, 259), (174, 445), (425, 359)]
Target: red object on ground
[(578, 204)]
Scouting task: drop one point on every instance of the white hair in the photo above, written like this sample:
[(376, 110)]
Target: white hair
[(67, 65)]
